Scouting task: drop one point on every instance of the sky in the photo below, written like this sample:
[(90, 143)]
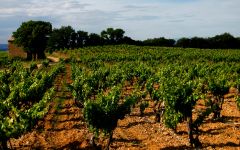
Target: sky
[(140, 19)]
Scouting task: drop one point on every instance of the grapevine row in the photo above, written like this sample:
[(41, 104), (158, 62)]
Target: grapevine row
[(175, 88), (24, 99)]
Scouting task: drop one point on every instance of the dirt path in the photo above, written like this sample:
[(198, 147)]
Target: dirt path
[(64, 128), (53, 59)]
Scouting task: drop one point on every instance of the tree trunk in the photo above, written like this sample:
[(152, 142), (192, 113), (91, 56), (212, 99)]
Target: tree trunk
[(156, 111), (221, 104), (29, 56), (92, 141), (159, 109), (4, 144), (157, 117), (78, 103), (109, 141), (217, 108), (34, 56), (41, 55), (194, 141), (190, 130)]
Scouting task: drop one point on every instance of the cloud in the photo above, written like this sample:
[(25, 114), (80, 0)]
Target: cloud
[(140, 19)]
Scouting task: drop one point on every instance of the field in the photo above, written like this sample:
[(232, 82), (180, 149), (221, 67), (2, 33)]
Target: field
[(3, 57), (3, 54), (123, 97)]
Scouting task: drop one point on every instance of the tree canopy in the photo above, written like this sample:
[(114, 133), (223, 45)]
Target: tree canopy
[(33, 37), (112, 36), (81, 38), (36, 36), (222, 41), (62, 38), (159, 42)]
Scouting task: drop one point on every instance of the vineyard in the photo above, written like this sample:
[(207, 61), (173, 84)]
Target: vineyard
[(123, 97)]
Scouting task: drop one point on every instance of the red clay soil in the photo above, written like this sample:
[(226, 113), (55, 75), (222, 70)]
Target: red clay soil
[(64, 128)]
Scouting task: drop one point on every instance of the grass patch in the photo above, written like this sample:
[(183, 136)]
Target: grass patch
[(3, 54)]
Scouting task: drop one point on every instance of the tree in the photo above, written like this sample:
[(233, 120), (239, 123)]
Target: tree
[(81, 38), (107, 35), (159, 42), (112, 36), (127, 40), (223, 41), (197, 42), (183, 42), (54, 42), (94, 40), (118, 35), (238, 42), (63, 38), (33, 37)]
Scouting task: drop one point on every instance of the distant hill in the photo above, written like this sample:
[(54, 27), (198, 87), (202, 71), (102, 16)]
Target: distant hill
[(3, 47)]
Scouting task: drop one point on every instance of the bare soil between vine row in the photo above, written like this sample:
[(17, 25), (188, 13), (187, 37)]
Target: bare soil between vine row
[(64, 128)]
